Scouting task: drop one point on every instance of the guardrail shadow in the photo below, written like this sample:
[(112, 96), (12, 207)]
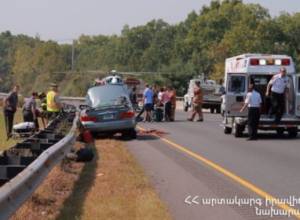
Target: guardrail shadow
[(75, 201)]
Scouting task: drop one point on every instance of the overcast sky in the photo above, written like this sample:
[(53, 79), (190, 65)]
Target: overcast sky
[(63, 20)]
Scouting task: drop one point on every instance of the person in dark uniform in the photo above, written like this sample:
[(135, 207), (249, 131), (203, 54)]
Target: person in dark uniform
[(10, 108), (133, 98), (253, 102), (279, 86), (30, 110)]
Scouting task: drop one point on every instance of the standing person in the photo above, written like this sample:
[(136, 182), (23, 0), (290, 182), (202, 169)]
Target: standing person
[(222, 87), (133, 98), (10, 108), (172, 95), (53, 102), (167, 104), (197, 102), (280, 87), (253, 101), (148, 103), (160, 94), (30, 110), (42, 110), (155, 94)]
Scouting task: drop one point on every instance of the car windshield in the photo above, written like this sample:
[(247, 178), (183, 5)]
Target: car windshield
[(107, 96)]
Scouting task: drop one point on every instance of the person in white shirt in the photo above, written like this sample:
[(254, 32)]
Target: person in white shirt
[(279, 85), (253, 102)]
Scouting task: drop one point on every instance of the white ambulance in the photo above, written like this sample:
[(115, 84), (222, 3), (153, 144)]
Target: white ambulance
[(260, 68)]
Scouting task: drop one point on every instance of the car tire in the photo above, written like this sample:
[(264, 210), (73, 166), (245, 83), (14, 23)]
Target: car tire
[(280, 131), (293, 132), (238, 130), (129, 134), (227, 130)]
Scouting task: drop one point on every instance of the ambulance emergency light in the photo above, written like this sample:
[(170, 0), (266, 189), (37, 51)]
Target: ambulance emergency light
[(264, 62)]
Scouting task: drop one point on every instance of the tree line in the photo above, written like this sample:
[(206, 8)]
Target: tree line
[(176, 53)]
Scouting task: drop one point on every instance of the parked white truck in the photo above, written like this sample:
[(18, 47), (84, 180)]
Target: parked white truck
[(211, 95), (260, 68)]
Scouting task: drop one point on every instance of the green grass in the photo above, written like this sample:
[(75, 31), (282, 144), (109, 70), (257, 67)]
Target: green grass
[(3, 143)]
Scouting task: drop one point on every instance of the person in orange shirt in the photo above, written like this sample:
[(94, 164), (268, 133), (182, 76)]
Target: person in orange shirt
[(172, 95), (197, 102)]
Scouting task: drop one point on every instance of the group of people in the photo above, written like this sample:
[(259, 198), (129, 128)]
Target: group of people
[(277, 87), (158, 104), (49, 108)]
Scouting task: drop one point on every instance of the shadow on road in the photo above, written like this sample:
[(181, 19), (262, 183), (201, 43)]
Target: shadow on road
[(76, 200), (271, 137), (147, 137)]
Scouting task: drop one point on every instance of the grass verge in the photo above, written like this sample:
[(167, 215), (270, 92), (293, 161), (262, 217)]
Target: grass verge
[(113, 186), (3, 143)]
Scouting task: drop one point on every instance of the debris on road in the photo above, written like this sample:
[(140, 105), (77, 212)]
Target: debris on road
[(154, 132)]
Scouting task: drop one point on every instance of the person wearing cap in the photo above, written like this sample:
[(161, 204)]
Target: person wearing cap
[(30, 110), (253, 102), (279, 86), (53, 101), (10, 108)]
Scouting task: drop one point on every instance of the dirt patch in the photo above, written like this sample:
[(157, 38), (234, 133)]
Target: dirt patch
[(50, 196), (112, 186)]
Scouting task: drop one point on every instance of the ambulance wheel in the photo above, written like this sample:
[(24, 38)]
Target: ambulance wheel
[(280, 131), (293, 132), (227, 130), (238, 130)]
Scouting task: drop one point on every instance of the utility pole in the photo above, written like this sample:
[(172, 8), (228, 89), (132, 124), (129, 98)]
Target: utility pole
[(73, 53)]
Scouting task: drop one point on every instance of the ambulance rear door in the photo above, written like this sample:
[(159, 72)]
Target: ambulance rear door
[(236, 90), (297, 92)]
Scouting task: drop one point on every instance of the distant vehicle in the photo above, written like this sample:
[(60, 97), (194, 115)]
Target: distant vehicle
[(211, 95), (109, 110), (260, 68)]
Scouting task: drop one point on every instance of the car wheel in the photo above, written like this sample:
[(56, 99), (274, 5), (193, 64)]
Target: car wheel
[(133, 134), (293, 132), (280, 131), (129, 134), (227, 130), (238, 130)]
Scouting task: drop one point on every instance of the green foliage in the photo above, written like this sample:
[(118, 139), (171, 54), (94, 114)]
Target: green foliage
[(199, 44)]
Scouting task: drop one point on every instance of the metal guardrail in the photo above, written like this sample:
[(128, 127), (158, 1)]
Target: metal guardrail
[(78, 99), (15, 192), (179, 98), (72, 100)]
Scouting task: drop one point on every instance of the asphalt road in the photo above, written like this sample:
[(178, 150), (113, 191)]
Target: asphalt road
[(271, 164)]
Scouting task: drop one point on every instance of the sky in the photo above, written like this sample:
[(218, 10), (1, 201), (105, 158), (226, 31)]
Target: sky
[(64, 20)]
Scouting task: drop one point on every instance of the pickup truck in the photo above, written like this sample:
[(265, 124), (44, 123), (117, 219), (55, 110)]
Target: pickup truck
[(212, 93)]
